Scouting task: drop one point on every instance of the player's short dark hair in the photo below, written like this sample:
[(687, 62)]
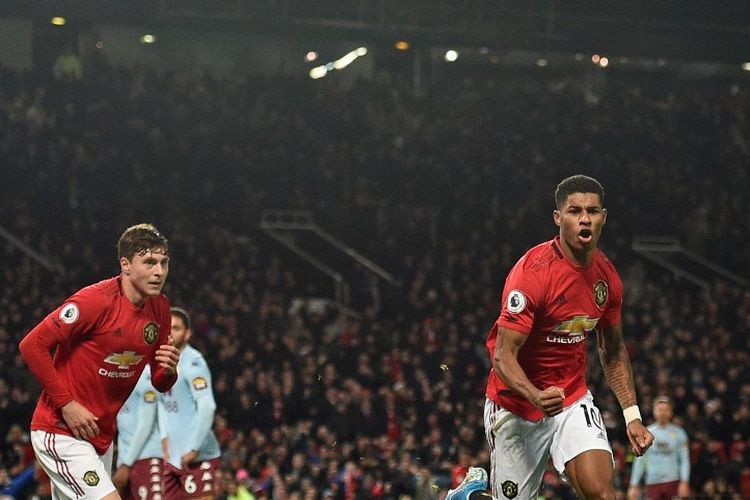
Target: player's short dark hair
[(577, 184), (183, 315), (139, 239)]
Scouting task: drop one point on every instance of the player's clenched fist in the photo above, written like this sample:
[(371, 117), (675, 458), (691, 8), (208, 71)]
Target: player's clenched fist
[(167, 355), (550, 400), (640, 437), (80, 420)]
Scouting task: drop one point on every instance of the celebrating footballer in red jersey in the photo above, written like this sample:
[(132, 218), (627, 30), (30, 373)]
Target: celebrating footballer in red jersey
[(538, 404), (104, 336)]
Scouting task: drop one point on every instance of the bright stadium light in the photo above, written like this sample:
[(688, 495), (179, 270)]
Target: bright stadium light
[(346, 60), (311, 56), (148, 39), (338, 64), (595, 58), (451, 56), (402, 45), (318, 72), (58, 21), (746, 66), (603, 62)]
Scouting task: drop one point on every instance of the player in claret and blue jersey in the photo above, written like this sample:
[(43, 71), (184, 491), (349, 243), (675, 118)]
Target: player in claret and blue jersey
[(139, 452), (186, 415)]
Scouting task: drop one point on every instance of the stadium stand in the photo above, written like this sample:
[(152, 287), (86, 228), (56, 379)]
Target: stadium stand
[(445, 189)]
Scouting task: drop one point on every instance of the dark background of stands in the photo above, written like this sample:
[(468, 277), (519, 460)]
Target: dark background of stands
[(444, 184)]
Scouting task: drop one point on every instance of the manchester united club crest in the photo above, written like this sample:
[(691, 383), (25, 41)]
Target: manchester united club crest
[(91, 478), (601, 291), (150, 332), (510, 489)]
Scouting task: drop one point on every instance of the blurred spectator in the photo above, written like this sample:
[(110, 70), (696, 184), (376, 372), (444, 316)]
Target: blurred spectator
[(665, 467), (68, 66)]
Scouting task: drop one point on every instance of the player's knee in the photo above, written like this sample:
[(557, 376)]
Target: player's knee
[(597, 489)]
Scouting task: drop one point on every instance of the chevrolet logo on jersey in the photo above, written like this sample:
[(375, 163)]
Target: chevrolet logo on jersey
[(124, 360), (576, 326)]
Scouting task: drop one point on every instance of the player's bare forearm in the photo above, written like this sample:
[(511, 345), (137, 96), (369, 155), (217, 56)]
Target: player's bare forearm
[(616, 365), (510, 372), (548, 400), (505, 364)]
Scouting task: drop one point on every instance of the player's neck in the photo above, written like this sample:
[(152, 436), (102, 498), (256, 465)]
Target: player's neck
[(133, 295), (580, 258)]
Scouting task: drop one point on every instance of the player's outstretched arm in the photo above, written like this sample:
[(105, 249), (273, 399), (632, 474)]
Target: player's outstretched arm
[(506, 366), (619, 373)]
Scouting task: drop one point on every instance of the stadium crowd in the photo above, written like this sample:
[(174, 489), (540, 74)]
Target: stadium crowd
[(445, 188)]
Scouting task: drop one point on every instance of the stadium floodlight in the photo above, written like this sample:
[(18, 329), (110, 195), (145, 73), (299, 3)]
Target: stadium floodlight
[(58, 21), (311, 56), (148, 39), (402, 45), (746, 66), (451, 55), (338, 64), (604, 62), (595, 58), (318, 72)]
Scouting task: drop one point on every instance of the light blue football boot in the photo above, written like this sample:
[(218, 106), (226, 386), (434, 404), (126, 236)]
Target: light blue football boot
[(475, 480)]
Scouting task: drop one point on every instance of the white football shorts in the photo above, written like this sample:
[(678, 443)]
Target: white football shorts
[(73, 466), (519, 448)]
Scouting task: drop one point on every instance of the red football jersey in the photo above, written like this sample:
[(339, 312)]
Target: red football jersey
[(103, 343), (556, 304)]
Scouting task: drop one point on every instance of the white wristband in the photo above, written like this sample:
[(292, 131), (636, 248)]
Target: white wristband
[(631, 413)]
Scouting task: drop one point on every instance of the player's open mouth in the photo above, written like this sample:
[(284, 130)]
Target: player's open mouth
[(585, 235)]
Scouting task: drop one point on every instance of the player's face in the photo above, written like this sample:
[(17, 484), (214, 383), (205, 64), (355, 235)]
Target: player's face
[(147, 271), (663, 413), (180, 332), (581, 219)]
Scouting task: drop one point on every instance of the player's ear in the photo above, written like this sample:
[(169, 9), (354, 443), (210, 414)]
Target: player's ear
[(125, 265), (604, 211), (556, 217)]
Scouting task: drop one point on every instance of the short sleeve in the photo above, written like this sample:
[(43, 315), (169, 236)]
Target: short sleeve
[(613, 313), (198, 377), (523, 296)]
